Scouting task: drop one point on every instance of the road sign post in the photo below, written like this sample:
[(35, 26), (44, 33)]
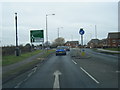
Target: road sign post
[(81, 32)]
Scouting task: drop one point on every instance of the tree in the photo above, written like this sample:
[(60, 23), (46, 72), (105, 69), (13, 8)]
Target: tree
[(59, 41), (47, 43), (27, 45)]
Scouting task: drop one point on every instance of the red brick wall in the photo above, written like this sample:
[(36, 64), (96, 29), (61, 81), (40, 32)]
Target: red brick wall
[(113, 42)]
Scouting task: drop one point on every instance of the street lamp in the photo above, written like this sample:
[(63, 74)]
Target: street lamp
[(47, 29)]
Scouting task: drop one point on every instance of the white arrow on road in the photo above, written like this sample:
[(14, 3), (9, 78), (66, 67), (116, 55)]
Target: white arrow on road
[(56, 82)]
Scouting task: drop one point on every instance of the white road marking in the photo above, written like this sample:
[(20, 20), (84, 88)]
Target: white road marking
[(56, 84), (26, 79), (33, 71), (90, 76), (30, 74), (18, 85), (74, 62), (117, 71)]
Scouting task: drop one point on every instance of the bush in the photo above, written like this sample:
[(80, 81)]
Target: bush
[(10, 50)]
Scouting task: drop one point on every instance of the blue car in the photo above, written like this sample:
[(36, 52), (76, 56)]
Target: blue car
[(60, 50)]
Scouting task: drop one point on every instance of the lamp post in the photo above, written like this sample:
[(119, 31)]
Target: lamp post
[(47, 29), (17, 48)]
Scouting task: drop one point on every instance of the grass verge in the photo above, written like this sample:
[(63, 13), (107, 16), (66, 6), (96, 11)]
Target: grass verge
[(105, 52), (7, 60), (113, 49), (25, 67)]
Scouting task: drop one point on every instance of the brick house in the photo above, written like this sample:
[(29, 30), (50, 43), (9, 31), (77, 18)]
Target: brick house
[(93, 43), (113, 39), (72, 44), (103, 42)]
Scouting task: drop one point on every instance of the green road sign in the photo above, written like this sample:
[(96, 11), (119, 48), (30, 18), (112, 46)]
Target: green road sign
[(37, 36)]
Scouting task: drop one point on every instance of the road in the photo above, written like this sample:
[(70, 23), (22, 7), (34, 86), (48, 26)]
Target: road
[(97, 71)]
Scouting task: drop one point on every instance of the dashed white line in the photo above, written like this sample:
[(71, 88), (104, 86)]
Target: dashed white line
[(30, 74), (74, 62), (90, 75), (18, 85), (33, 71), (117, 71), (26, 79)]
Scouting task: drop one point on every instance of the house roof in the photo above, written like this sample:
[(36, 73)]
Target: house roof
[(114, 35), (94, 41), (73, 42)]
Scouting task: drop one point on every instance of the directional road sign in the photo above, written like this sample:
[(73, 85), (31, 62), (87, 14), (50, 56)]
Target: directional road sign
[(81, 32), (37, 36)]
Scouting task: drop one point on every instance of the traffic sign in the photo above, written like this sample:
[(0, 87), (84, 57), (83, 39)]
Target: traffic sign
[(81, 32), (37, 35)]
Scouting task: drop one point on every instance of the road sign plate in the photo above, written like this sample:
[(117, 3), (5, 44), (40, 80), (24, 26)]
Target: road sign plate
[(37, 35), (81, 32)]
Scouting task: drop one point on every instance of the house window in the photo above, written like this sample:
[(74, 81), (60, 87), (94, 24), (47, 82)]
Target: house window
[(113, 41)]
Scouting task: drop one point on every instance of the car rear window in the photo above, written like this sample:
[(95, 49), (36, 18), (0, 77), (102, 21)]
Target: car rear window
[(60, 47)]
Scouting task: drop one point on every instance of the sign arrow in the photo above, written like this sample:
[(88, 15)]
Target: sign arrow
[(56, 81), (81, 32)]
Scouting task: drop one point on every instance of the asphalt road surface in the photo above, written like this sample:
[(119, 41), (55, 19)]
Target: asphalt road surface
[(97, 71)]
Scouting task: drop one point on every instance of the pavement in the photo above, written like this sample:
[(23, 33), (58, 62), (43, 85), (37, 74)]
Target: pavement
[(108, 51), (98, 71)]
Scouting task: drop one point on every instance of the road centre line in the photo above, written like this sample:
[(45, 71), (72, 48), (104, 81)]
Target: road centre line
[(90, 75), (74, 62)]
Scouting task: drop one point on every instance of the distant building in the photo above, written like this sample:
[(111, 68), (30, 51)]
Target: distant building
[(103, 43), (113, 39), (93, 43), (72, 44)]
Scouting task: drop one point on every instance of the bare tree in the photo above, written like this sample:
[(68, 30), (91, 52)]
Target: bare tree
[(59, 41)]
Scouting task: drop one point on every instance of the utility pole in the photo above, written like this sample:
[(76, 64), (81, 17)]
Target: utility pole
[(71, 37), (58, 32), (17, 48), (95, 31)]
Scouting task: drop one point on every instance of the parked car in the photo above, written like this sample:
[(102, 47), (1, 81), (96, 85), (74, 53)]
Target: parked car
[(60, 50)]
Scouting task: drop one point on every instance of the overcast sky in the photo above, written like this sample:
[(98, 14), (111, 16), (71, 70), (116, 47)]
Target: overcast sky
[(69, 15)]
